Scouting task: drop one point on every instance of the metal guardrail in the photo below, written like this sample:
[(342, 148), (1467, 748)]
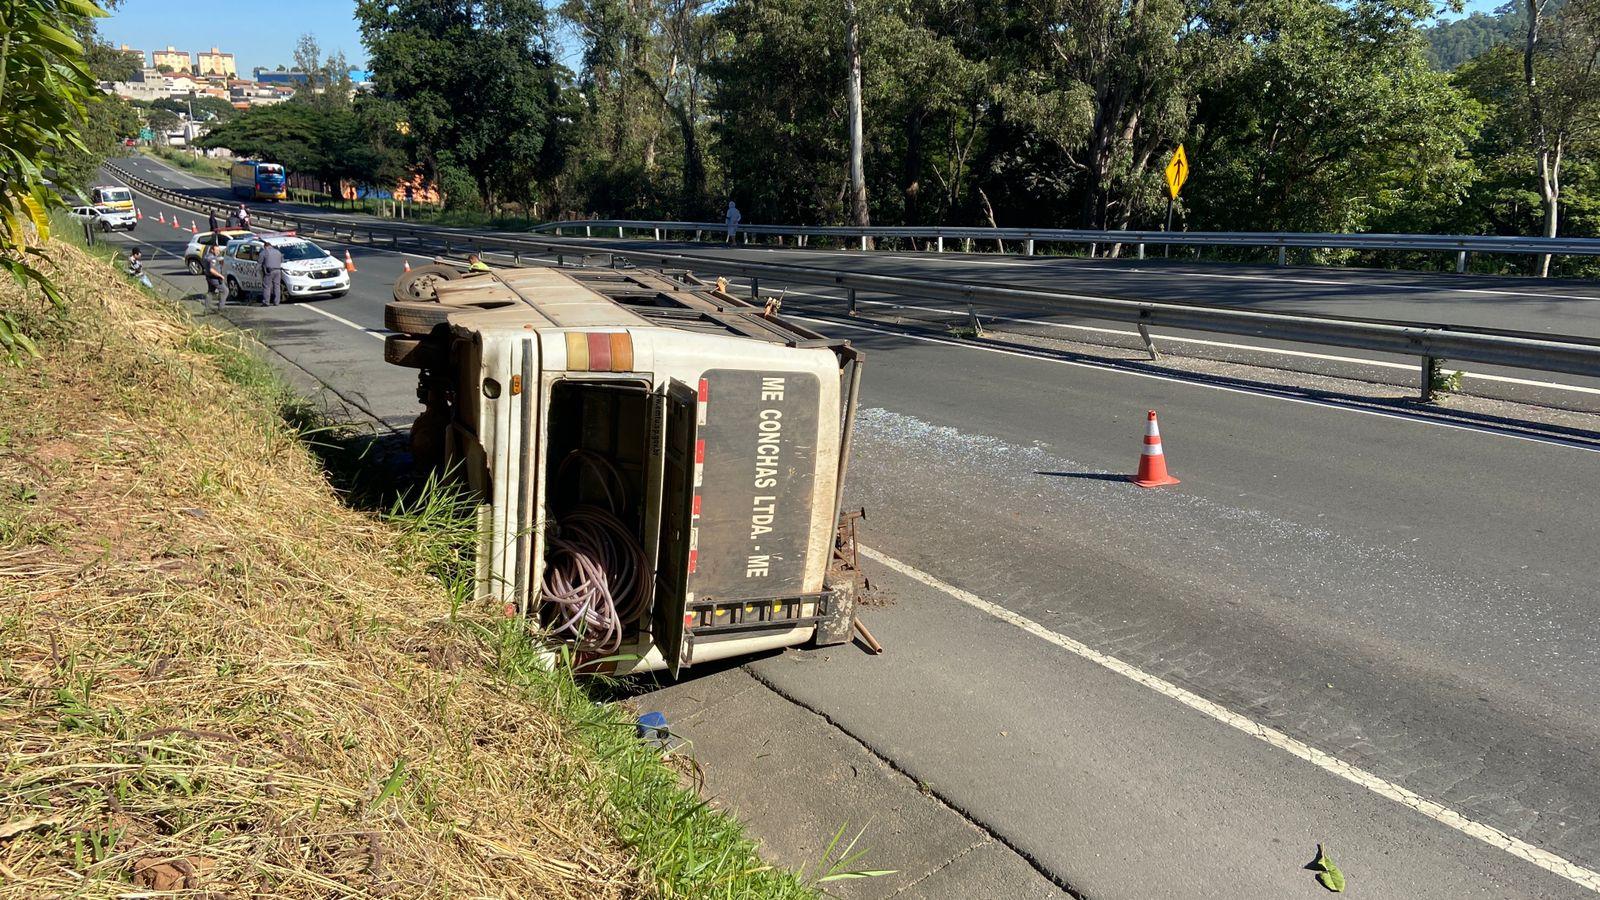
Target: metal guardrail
[(1461, 245), (1430, 342)]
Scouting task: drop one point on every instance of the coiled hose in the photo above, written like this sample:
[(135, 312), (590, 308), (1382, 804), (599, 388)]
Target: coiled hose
[(595, 575)]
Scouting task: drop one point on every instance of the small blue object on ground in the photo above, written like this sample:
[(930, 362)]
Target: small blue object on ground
[(652, 726)]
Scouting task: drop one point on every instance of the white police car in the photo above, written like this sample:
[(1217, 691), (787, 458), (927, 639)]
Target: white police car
[(308, 270), (200, 245)]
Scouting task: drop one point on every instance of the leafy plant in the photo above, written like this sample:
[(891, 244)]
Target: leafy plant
[(45, 91)]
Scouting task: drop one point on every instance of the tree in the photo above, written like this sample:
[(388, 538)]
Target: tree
[(1332, 121), (46, 88), (1561, 74), (858, 174), (477, 84)]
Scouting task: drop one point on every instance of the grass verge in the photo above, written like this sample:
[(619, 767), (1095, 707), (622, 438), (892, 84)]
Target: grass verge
[(217, 678)]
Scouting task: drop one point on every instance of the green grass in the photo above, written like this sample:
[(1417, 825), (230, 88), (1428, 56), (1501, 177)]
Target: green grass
[(690, 849), (287, 687), (203, 166)]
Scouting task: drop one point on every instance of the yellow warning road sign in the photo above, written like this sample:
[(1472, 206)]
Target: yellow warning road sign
[(1177, 172)]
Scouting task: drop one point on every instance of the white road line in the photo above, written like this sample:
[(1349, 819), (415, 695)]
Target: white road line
[(379, 333), (1228, 345), (1191, 382), (1544, 859)]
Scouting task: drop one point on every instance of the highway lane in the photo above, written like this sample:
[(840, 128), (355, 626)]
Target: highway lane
[(1557, 306), (1414, 600), (1518, 304)]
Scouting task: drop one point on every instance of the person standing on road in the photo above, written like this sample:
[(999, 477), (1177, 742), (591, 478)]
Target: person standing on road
[(475, 263), (211, 221), (732, 220), (271, 276), (233, 218), (244, 217), (214, 278)]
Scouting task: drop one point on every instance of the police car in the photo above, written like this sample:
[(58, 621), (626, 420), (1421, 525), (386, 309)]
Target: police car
[(200, 245), (308, 270)]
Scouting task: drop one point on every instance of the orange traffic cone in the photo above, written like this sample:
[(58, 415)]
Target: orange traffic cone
[(408, 265), (193, 228), (139, 214), (175, 225), (349, 264), (161, 217), (1153, 463)]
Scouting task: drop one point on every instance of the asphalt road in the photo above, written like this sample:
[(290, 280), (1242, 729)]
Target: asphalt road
[(1414, 600)]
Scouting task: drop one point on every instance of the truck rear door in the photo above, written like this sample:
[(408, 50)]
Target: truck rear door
[(676, 554)]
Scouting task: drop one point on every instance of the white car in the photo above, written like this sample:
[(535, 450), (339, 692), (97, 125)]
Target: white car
[(106, 219), (308, 270), (200, 244)]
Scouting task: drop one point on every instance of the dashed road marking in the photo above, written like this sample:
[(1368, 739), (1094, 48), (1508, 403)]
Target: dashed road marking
[(1544, 859)]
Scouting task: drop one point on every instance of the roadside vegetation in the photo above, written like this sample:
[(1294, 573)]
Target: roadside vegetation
[(230, 666), (200, 166)]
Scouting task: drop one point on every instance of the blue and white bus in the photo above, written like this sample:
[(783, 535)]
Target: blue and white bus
[(253, 180)]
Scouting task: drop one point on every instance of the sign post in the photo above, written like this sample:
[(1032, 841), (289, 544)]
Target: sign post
[(1177, 174)]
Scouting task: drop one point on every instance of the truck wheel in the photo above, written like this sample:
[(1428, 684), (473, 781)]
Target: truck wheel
[(416, 317), (408, 351), (421, 283)]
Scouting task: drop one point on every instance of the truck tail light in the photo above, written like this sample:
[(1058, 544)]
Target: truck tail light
[(599, 351)]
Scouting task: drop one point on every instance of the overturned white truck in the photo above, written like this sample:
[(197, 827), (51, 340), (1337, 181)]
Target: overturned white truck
[(659, 464)]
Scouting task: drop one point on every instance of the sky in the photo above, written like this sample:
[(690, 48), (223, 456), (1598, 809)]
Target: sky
[(257, 34)]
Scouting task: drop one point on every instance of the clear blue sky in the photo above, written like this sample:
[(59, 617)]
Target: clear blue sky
[(256, 33)]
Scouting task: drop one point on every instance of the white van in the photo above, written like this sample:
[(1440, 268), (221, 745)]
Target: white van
[(659, 464)]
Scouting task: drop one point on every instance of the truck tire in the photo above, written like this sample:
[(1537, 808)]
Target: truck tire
[(414, 317), (420, 283), (406, 350)]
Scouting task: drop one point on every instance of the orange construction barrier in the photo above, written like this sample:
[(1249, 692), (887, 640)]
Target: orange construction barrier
[(349, 264), (1153, 463)]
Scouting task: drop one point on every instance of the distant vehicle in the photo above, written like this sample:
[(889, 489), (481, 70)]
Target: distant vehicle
[(113, 197), (200, 245), (308, 270), (253, 180), (106, 219)]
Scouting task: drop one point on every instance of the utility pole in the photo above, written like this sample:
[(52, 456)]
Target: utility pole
[(858, 176)]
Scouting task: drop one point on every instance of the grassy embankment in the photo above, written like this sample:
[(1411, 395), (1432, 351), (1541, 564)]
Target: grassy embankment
[(219, 673)]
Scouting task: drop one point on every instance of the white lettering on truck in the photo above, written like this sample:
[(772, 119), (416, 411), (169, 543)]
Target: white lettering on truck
[(769, 449)]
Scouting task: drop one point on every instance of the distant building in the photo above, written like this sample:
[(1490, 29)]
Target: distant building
[(293, 77), (216, 63), (173, 58), (245, 94), (132, 53), (146, 90)]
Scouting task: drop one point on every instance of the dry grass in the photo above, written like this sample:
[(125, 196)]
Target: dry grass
[(216, 679)]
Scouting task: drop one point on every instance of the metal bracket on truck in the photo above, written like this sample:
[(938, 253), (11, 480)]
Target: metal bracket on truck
[(659, 464)]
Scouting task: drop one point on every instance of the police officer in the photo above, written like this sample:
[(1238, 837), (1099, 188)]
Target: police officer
[(271, 276)]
